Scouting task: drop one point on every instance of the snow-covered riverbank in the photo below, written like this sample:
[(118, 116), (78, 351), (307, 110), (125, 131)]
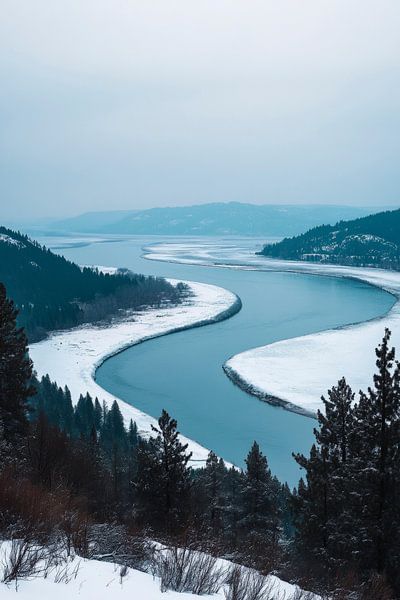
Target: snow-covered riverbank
[(295, 372), (72, 357)]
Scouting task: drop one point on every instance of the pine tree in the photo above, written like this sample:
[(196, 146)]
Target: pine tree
[(336, 422), (163, 480), (213, 482), (132, 436), (322, 512), (259, 522), (15, 373), (310, 508), (347, 513), (376, 476), (98, 415)]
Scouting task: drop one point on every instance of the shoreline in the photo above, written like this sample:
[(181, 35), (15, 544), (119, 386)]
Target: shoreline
[(295, 372), (318, 360), (72, 357)]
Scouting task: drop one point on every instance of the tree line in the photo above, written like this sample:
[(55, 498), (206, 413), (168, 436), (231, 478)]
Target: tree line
[(54, 293), (68, 467)]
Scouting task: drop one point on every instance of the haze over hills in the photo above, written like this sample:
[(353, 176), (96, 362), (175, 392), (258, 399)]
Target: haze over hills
[(369, 241), (231, 218)]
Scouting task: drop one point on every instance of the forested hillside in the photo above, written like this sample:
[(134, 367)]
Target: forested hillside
[(54, 293), (370, 241)]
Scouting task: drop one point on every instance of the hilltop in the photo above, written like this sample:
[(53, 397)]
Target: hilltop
[(372, 241)]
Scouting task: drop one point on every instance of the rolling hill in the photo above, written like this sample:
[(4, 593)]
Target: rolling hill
[(231, 218), (372, 241)]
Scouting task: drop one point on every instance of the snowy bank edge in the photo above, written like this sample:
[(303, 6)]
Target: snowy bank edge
[(221, 304), (239, 367), (362, 335)]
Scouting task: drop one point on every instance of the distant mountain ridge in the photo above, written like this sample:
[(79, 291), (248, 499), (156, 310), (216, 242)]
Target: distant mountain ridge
[(230, 218), (372, 241)]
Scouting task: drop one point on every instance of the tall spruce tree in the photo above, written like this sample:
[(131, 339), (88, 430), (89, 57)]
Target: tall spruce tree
[(259, 522), (213, 489), (376, 471), (321, 510), (163, 478), (15, 373)]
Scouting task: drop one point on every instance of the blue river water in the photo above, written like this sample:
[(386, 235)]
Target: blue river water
[(182, 372)]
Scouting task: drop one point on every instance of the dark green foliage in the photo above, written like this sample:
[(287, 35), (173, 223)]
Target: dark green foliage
[(54, 293), (15, 373), (368, 241), (213, 483), (376, 463), (163, 478), (259, 514), (347, 514)]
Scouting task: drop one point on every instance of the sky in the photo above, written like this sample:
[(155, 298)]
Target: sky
[(120, 104)]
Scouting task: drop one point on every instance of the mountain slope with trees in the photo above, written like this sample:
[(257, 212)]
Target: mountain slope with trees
[(51, 292), (372, 241)]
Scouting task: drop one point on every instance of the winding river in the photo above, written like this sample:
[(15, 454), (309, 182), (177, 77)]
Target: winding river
[(183, 372)]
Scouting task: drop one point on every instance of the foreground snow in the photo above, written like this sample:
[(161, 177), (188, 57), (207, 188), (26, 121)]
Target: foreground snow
[(95, 580), (72, 357), (296, 372)]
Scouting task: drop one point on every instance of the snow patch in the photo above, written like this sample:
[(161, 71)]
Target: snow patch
[(6, 239)]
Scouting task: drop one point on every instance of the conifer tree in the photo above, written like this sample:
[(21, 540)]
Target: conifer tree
[(163, 480), (259, 522), (376, 475), (213, 481), (321, 504), (310, 508), (15, 372)]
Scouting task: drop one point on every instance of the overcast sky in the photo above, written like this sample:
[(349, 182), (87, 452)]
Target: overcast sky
[(111, 104)]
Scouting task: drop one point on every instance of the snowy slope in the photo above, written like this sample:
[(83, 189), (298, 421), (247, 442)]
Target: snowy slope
[(71, 357), (95, 580)]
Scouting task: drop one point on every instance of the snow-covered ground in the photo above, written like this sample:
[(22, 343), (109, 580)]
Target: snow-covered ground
[(95, 580), (72, 357), (296, 372)]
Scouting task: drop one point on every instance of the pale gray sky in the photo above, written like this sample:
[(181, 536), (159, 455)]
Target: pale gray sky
[(126, 104)]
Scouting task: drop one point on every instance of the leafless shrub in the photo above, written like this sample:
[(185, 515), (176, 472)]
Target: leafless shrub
[(186, 570), (64, 573), (112, 542), (24, 560), (247, 584)]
